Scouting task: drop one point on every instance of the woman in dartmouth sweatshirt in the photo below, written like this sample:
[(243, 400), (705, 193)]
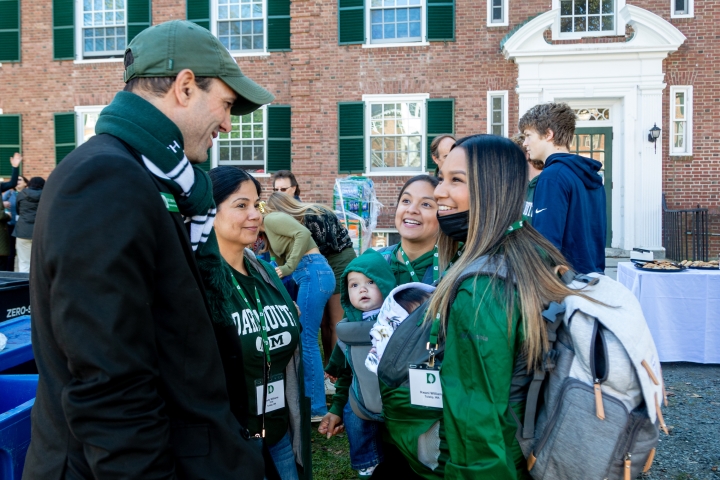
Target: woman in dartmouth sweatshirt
[(257, 329)]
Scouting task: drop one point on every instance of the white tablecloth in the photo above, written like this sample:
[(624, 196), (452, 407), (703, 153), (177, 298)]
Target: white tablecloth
[(682, 310)]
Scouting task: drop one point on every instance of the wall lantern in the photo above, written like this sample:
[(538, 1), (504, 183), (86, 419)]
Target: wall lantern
[(654, 135)]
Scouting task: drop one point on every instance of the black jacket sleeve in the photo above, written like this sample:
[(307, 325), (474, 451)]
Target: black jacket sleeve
[(101, 267), (4, 186)]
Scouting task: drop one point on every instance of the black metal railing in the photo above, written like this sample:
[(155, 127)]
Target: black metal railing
[(686, 233)]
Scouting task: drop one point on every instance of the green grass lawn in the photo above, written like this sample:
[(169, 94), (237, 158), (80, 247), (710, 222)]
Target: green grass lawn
[(331, 458)]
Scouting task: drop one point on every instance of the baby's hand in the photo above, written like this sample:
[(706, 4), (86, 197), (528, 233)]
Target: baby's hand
[(331, 425)]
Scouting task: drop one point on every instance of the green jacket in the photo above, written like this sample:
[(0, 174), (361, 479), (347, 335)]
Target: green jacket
[(478, 430), (529, 199), (372, 265)]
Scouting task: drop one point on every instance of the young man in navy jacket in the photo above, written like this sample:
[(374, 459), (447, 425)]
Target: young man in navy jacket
[(569, 205)]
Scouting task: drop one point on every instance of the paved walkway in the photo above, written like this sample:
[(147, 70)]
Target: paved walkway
[(611, 265)]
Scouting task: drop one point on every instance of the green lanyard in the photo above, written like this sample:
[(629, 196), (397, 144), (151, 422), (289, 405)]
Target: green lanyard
[(263, 325), (515, 226), (456, 257), (413, 276)]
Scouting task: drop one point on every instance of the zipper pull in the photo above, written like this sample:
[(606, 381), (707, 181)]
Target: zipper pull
[(627, 469), (599, 408)]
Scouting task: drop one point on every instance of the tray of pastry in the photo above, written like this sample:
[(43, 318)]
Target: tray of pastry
[(659, 266), (699, 265)]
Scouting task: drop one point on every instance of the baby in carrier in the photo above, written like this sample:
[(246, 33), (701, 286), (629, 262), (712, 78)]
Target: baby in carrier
[(400, 303)]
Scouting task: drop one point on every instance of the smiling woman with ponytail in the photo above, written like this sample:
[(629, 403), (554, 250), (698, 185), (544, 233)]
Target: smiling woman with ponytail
[(494, 318)]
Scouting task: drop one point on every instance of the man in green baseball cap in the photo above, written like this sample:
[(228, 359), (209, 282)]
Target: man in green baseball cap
[(131, 381)]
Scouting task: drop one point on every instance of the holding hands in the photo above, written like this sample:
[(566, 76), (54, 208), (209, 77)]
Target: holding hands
[(331, 425)]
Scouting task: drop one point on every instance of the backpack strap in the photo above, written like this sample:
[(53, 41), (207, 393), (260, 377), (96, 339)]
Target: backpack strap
[(553, 315)]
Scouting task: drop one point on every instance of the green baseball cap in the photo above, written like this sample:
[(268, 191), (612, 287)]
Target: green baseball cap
[(165, 49)]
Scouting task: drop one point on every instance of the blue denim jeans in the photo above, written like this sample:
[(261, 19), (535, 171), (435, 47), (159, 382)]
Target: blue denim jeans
[(365, 440), (316, 284), (282, 455)]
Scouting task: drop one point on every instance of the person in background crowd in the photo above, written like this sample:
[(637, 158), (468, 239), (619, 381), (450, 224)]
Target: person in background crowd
[(245, 296), (569, 204), (534, 170), (5, 243), (298, 255), (416, 222), (15, 162), (131, 383), (10, 203), (440, 147), (284, 181), (335, 244), (27, 205)]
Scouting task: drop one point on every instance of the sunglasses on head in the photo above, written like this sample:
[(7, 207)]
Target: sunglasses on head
[(282, 189)]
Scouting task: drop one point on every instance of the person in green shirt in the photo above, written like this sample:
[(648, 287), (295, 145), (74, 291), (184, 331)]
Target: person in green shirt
[(298, 255), (414, 259), (257, 328), (491, 320), (535, 168)]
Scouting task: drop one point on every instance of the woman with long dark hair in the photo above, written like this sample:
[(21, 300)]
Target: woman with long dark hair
[(257, 328)]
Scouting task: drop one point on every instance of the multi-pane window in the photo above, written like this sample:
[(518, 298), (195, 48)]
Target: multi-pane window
[(681, 8), (241, 25), (103, 27), (244, 145), (396, 136), (587, 16), (86, 117), (393, 21), (681, 120), (497, 11), (497, 113)]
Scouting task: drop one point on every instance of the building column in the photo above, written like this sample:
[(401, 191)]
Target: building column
[(528, 97), (647, 203)]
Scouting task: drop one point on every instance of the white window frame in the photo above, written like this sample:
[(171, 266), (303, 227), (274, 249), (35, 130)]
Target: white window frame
[(504, 95), (80, 113), (688, 90), (505, 14), (423, 29), (215, 151), (690, 13), (80, 57), (620, 24), (241, 53), (415, 97)]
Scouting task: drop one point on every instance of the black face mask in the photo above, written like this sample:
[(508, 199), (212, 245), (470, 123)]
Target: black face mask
[(455, 226)]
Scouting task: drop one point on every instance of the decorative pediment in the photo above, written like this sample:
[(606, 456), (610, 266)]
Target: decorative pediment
[(651, 34)]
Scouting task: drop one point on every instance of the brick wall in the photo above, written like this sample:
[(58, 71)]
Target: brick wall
[(318, 73)]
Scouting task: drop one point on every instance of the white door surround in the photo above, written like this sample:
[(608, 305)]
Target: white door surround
[(626, 76)]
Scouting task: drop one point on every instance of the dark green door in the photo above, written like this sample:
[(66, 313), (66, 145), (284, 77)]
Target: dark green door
[(596, 143)]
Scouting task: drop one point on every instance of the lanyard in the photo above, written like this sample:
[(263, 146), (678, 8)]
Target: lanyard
[(413, 276), (456, 257), (515, 226), (263, 325)]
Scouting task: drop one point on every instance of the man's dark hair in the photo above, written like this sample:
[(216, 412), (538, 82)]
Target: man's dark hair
[(36, 182), (289, 175), (158, 86), (411, 298), (558, 117)]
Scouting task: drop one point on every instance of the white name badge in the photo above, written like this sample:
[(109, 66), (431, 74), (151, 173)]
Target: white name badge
[(275, 394), (425, 389)]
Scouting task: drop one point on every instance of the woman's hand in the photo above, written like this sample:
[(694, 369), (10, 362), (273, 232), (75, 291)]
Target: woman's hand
[(331, 425), (279, 272), (15, 160)]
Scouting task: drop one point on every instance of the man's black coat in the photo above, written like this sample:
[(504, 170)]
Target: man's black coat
[(131, 381)]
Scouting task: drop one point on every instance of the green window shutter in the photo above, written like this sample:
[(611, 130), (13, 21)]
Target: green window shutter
[(139, 13), (63, 29), (64, 135), (440, 119), (198, 11), (441, 20), (351, 137), (279, 140), (351, 22), (278, 24), (10, 141), (9, 30)]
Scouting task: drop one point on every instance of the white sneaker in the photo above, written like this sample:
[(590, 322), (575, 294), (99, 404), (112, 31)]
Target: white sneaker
[(329, 387), (366, 472)]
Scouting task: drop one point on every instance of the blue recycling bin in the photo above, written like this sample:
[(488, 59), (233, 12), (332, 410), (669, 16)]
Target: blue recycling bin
[(19, 348), (17, 396)]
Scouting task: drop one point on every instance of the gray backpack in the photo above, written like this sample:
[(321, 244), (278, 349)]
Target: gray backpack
[(600, 386)]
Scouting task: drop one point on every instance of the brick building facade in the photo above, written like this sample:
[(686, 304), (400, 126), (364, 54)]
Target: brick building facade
[(363, 86)]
